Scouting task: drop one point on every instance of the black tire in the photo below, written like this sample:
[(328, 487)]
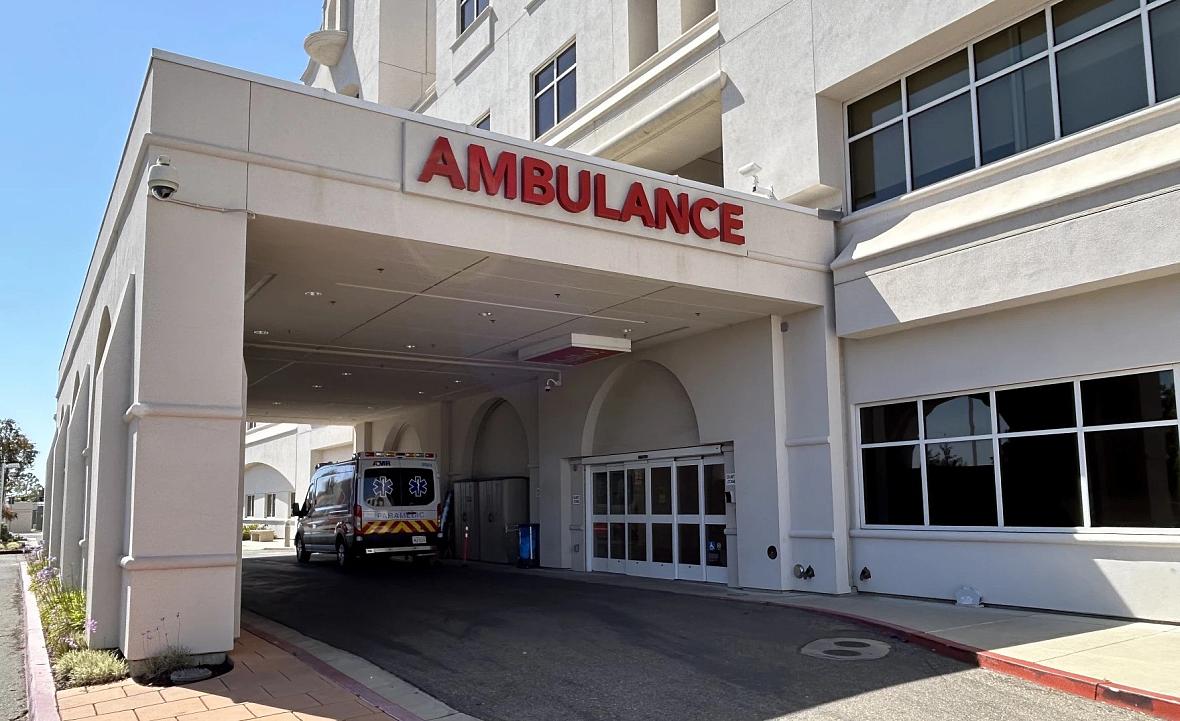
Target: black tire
[(301, 554), (344, 559)]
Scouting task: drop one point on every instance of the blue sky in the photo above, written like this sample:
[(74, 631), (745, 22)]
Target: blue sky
[(67, 106)]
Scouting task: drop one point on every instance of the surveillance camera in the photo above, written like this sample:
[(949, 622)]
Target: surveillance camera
[(163, 180)]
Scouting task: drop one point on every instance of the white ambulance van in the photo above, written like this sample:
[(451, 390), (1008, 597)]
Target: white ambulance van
[(376, 504)]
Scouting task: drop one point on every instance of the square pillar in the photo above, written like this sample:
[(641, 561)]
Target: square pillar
[(106, 523), (185, 424), (51, 533), (73, 494)]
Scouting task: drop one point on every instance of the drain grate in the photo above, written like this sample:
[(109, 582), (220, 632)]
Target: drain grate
[(846, 649)]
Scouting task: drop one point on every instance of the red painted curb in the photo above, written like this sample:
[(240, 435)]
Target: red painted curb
[(338, 677), (40, 690), (1158, 705)]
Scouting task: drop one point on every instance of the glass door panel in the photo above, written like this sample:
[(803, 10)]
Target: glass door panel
[(688, 493), (618, 494), (636, 492), (661, 543), (637, 542), (661, 490), (716, 553)]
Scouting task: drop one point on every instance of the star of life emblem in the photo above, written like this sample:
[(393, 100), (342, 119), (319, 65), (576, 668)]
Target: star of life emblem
[(382, 486), (418, 486)]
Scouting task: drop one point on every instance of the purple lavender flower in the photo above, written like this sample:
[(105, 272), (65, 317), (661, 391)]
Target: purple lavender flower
[(69, 641), (90, 625)]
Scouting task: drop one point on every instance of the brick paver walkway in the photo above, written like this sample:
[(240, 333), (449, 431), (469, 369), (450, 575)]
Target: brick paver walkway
[(266, 682)]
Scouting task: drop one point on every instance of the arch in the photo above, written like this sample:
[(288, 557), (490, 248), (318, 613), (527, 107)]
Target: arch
[(641, 406), (404, 438), (500, 445), (261, 479), (100, 344)]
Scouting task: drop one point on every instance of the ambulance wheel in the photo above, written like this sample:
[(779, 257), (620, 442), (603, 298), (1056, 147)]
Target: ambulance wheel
[(302, 554), (344, 559)]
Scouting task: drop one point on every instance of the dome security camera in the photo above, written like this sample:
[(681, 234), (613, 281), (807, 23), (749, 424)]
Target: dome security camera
[(163, 180)]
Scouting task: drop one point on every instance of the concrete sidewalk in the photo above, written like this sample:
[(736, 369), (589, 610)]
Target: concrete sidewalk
[(1075, 653)]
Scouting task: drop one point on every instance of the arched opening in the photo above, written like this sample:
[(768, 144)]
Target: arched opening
[(268, 495), (406, 439), (496, 497), (100, 344), (643, 407)]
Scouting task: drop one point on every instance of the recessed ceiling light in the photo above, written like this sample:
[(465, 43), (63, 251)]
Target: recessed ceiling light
[(486, 314), (318, 387), (421, 393), (312, 293), (410, 346), (261, 332), (626, 331), (276, 403), (456, 381), (345, 373)]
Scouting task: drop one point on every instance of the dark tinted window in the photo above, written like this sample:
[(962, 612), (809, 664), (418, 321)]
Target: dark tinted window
[(600, 541), (566, 60), (885, 104), (544, 109), (715, 489), (1009, 46), (1101, 77), (690, 543), (934, 81), (961, 483), (688, 499), (1165, 47), (567, 96), (392, 487), (715, 545), (1036, 408), (661, 542), (484, 123), (888, 423), (1040, 480), (600, 493), (878, 167), (942, 142), (618, 541), (637, 541), (1129, 399), (636, 491), (618, 493), (893, 485), (958, 416), (661, 490), (1015, 112), (1134, 477), (1074, 17)]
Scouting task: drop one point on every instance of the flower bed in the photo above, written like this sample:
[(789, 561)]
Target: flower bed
[(63, 618)]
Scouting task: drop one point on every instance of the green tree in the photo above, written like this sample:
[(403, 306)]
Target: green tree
[(15, 447)]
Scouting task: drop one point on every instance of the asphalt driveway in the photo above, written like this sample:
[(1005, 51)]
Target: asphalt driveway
[(509, 646)]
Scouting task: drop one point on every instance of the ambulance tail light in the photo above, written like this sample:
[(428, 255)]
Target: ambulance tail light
[(358, 518)]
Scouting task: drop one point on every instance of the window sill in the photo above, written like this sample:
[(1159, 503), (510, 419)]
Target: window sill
[(1060, 537), (472, 28)]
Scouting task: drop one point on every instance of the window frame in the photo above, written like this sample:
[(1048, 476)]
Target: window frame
[(1052, 48), (475, 17), (248, 505), (534, 93), (486, 117), (1079, 429), (269, 505)]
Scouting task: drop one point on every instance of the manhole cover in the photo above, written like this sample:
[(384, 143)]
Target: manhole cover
[(190, 675), (846, 649)]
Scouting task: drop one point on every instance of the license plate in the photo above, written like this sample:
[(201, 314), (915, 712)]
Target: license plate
[(419, 539)]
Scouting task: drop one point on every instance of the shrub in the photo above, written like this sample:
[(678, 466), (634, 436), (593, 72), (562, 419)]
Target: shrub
[(14, 545), (246, 528), (87, 667), (172, 658)]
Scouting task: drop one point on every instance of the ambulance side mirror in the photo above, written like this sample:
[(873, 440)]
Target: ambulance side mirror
[(298, 511)]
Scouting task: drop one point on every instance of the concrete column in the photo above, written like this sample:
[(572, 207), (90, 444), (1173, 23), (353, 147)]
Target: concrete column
[(106, 523), (817, 492), (186, 422), (53, 496), (48, 484), (73, 500)]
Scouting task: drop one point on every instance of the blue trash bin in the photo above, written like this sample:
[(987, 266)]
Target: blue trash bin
[(528, 536)]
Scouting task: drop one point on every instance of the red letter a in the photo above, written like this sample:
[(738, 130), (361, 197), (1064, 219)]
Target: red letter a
[(441, 161)]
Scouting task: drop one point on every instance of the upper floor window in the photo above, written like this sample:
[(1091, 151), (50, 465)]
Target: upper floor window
[(484, 123), (555, 90), (1067, 67), (469, 10)]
